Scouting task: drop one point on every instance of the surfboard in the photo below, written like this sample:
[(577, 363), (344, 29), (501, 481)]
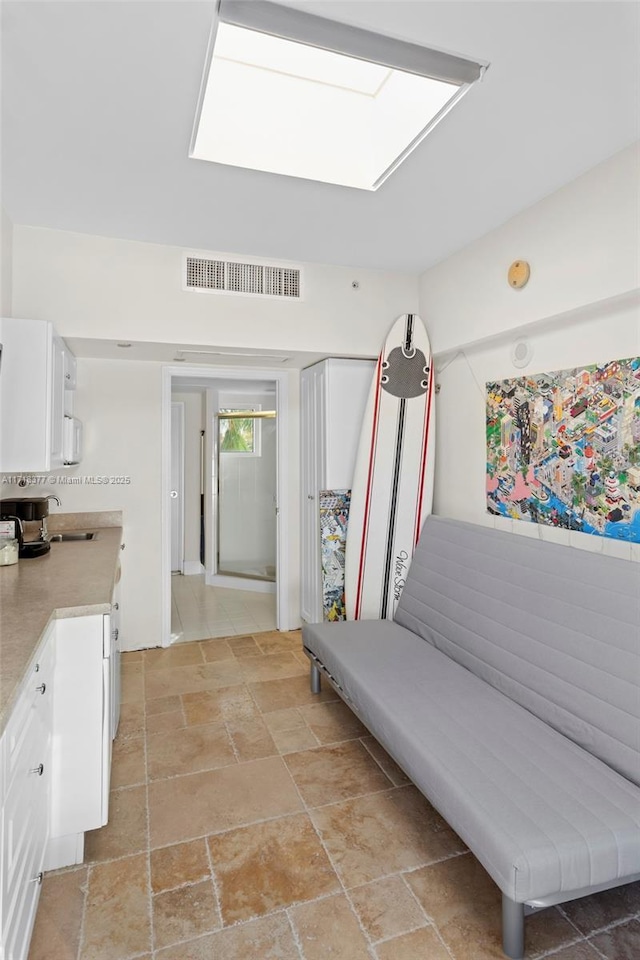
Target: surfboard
[(392, 489)]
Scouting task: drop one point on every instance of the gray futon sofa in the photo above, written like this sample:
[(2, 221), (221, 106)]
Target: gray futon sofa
[(508, 689)]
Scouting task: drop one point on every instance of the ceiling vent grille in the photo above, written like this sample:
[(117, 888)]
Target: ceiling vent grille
[(253, 279)]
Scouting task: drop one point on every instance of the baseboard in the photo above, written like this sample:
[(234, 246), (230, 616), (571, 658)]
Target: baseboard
[(64, 851), (192, 568)]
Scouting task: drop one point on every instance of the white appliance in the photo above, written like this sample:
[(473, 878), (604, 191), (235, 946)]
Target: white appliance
[(72, 441)]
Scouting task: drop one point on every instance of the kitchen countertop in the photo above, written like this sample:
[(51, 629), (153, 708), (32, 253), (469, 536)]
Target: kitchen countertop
[(74, 579)]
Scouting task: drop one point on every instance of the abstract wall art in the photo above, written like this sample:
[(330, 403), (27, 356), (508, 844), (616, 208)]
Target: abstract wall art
[(563, 449)]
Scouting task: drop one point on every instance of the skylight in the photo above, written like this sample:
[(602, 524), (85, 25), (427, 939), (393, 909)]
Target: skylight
[(291, 93)]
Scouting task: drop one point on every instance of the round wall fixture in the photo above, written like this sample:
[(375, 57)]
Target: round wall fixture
[(521, 353), (519, 273)]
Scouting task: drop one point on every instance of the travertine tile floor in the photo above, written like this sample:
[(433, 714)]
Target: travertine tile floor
[(251, 820)]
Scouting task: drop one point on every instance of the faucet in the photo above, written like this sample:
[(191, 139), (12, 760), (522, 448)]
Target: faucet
[(44, 533)]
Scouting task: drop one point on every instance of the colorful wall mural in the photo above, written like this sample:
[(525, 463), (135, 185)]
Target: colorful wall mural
[(563, 449)]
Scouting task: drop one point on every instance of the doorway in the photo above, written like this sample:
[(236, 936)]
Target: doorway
[(236, 581), (245, 494)]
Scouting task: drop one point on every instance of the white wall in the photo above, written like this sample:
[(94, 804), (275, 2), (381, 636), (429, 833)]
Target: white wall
[(117, 289), (582, 243), (6, 263), (193, 424), (119, 404), (103, 288)]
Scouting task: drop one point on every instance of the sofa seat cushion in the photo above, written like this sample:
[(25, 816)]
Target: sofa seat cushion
[(542, 815)]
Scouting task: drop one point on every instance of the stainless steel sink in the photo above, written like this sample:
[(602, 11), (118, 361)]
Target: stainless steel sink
[(74, 535)]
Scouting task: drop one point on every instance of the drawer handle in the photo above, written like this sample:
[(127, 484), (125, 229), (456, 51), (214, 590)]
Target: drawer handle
[(39, 769), (38, 878), (42, 688), (36, 669)]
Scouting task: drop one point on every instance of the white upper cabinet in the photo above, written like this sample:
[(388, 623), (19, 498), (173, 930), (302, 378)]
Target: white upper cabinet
[(37, 375)]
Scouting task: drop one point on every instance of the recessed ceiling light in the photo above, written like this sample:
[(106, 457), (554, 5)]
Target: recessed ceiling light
[(291, 93)]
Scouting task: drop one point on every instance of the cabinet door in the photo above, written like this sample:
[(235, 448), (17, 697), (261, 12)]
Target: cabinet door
[(79, 791), (311, 455), (32, 396), (346, 392), (69, 381), (26, 792), (333, 398), (25, 395), (115, 660), (56, 414)]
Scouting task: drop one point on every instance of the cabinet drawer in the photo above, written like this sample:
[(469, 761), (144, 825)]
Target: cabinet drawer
[(25, 788), (22, 846), (32, 712)]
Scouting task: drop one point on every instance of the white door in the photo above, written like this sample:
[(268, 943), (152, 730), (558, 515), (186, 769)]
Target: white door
[(311, 466), (177, 487)]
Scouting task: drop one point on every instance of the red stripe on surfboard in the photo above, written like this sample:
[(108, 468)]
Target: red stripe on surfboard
[(423, 462), (367, 502)]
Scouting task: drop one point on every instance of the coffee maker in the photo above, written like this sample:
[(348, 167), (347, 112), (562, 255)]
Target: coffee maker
[(30, 517)]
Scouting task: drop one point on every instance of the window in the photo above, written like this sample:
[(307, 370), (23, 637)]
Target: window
[(238, 434), (292, 93)]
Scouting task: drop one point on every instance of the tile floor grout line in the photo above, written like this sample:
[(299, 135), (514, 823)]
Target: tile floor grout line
[(81, 934), (356, 796), (430, 920), (219, 833), (588, 937), (152, 936), (85, 893), (200, 936), (553, 952), (233, 744), (307, 810), (214, 883), (379, 762), (294, 934)]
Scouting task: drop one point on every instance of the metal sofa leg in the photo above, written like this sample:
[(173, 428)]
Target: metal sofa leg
[(315, 679), (512, 928)]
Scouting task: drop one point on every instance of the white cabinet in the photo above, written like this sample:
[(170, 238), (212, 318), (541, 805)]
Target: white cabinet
[(37, 377), (115, 659), (81, 759), (25, 764), (333, 398)]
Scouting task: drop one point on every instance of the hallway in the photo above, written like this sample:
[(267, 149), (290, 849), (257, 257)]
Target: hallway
[(200, 612)]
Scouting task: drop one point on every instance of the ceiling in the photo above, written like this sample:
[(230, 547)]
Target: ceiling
[(99, 101), (193, 354)]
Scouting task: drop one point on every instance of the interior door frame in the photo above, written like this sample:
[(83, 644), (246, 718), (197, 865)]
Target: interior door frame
[(178, 453), (281, 380)]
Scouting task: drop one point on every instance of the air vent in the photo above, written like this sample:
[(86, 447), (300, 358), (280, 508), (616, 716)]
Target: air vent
[(205, 274), (253, 279)]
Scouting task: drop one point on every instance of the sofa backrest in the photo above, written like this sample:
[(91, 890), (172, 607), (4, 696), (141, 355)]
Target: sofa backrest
[(555, 628)]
